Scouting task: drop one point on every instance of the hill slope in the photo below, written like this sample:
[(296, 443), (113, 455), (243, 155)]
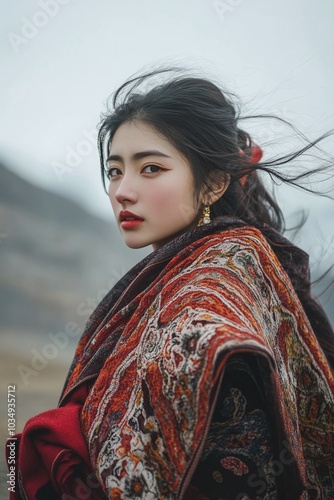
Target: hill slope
[(57, 259)]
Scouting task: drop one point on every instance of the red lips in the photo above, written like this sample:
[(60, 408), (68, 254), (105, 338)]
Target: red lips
[(125, 215)]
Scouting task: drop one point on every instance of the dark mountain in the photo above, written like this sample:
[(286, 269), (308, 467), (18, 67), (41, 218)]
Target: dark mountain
[(57, 260)]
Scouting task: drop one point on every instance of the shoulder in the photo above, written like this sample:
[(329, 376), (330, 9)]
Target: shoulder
[(237, 242)]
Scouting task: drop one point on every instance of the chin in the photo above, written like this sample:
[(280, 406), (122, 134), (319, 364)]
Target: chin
[(136, 244)]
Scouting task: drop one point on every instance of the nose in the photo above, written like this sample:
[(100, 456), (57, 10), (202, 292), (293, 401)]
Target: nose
[(126, 191)]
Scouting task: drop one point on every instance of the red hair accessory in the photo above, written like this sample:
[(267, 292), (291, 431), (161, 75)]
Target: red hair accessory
[(255, 157)]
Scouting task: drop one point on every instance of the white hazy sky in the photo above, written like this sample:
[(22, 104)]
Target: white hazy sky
[(61, 59)]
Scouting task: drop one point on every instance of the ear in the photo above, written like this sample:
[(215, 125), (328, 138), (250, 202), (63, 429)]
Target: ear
[(215, 189)]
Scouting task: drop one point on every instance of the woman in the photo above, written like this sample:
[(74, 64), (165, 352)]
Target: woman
[(207, 371)]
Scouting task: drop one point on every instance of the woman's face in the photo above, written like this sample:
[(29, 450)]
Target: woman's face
[(151, 187)]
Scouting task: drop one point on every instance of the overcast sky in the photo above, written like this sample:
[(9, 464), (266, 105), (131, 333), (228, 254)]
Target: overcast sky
[(61, 59)]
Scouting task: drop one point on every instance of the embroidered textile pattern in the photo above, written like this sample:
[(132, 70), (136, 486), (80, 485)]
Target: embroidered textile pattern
[(162, 354), (238, 459)]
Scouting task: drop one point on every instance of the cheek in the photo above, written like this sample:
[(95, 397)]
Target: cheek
[(112, 199), (174, 202)]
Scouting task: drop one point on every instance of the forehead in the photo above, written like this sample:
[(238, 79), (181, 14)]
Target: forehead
[(130, 137)]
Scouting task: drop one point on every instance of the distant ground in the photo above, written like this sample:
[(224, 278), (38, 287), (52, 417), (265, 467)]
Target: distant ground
[(39, 394)]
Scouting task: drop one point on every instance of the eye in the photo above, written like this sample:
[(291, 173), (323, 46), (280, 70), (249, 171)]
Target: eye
[(112, 172), (152, 169)]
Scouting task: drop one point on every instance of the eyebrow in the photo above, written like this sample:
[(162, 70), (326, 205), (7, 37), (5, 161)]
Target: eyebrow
[(138, 156)]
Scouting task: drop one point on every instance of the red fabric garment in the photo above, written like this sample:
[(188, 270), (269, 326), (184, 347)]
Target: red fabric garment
[(157, 348), (154, 352), (54, 462)]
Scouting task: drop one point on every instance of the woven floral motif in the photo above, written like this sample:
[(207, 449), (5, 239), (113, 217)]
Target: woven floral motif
[(155, 363)]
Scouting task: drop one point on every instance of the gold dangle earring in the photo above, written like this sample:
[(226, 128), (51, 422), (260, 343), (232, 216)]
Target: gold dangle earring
[(205, 218)]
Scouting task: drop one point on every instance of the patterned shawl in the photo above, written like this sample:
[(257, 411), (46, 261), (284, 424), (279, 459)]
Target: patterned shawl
[(148, 369), (154, 352)]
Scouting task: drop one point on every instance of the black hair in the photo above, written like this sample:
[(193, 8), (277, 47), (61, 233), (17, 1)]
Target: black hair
[(202, 122)]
